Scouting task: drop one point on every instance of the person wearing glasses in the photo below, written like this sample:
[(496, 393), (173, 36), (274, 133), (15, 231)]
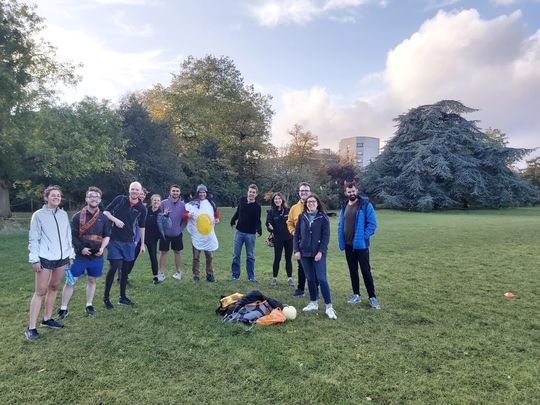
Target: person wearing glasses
[(303, 191), (311, 237), (90, 233)]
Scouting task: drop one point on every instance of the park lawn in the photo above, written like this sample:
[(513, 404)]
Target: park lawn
[(445, 334)]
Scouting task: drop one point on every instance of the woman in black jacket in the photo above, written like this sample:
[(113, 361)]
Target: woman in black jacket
[(311, 237), (276, 222)]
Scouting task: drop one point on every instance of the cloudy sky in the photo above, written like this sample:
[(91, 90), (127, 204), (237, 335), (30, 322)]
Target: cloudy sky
[(338, 67)]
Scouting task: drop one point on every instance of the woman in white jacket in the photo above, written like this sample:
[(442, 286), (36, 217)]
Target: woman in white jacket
[(50, 251)]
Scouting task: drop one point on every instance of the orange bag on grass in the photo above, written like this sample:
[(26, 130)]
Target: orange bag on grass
[(275, 316)]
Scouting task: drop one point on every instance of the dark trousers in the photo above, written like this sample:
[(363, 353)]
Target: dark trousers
[(355, 257), (151, 248), (123, 267), (279, 246), (130, 265)]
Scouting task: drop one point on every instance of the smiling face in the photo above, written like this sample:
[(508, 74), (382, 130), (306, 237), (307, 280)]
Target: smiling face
[(53, 198), (93, 199), (303, 192), (156, 202), (251, 194), (278, 201), (351, 192), (202, 195), (135, 189), (312, 204), (175, 193)]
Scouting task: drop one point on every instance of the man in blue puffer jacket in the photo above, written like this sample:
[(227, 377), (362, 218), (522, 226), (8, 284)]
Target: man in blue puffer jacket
[(357, 223)]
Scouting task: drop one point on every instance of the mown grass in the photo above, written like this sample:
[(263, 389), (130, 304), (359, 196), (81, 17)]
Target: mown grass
[(445, 334)]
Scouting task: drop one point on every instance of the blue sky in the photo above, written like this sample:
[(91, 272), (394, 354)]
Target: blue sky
[(338, 67)]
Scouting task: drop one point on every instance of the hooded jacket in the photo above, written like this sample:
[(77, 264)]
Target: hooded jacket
[(311, 238), (366, 223), (50, 235)]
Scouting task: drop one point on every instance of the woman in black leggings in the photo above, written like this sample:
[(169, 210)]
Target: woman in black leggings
[(276, 222), (156, 223)]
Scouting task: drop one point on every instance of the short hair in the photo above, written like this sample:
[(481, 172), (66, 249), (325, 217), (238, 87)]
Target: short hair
[(48, 190), (304, 184), (350, 184), (94, 189), (254, 187), (320, 205), (176, 186), (284, 204)]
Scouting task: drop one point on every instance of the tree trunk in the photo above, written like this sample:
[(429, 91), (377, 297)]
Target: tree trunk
[(5, 210)]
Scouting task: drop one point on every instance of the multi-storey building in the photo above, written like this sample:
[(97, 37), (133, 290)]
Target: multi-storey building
[(359, 150)]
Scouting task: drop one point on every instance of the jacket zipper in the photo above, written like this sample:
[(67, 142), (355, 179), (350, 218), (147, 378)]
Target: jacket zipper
[(58, 230)]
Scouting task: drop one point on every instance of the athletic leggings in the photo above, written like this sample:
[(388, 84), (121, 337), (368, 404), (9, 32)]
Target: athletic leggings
[(121, 266), (279, 246), (151, 248)]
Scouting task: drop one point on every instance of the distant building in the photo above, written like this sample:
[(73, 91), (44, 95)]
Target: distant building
[(359, 150)]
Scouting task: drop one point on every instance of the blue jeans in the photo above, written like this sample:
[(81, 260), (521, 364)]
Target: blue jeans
[(248, 239), (316, 271)]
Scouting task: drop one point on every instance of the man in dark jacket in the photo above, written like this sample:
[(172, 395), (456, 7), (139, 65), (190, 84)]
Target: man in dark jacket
[(247, 220), (90, 234), (357, 223)]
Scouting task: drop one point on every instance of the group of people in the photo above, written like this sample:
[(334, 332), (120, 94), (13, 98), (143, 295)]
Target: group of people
[(127, 227)]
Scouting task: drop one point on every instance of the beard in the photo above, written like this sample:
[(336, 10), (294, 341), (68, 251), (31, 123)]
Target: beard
[(352, 198)]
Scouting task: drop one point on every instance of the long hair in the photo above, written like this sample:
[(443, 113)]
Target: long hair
[(283, 205), (320, 205)]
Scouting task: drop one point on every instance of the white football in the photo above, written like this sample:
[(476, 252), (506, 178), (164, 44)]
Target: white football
[(289, 312)]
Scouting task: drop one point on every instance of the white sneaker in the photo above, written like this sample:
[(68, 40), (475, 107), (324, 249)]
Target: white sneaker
[(312, 306), (161, 277), (331, 313), (177, 275), (355, 298)]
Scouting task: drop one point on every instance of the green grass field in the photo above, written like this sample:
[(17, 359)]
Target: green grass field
[(445, 335)]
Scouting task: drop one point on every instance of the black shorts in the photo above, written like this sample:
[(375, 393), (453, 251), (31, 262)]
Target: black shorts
[(174, 242), (53, 264)]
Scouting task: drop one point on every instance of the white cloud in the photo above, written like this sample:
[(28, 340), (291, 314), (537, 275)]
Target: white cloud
[(275, 12), (106, 73), (129, 30), (493, 65), (504, 2)]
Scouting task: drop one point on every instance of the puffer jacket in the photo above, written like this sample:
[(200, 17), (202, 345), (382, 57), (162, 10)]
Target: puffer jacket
[(311, 238), (50, 235), (366, 223)]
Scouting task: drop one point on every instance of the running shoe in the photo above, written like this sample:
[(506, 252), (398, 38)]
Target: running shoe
[(51, 323), (312, 306), (62, 314)]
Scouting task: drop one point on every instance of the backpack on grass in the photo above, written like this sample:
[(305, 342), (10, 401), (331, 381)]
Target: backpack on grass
[(226, 301), (249, 313)]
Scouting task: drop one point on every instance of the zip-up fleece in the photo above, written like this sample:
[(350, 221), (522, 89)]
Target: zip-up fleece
[(311, 238), (50, 235)]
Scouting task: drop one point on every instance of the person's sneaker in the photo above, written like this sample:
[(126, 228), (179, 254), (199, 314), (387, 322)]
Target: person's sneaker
[(374, 303), (108, 304), (195, 279), (298, 293), (273, 282), (252, 279), (51, 323), (331, 313), (210, 278), (125, 301), (177, 275), (62, 314), (233, 278), (155, 280), (90, 311), (312, 306), (31, 334), (290, 281), (355, 298), (161, 277)]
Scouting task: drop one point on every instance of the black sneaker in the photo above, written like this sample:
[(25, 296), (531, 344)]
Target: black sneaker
[(155, 280), (195, 279), (298, 293), (51, 323), (125, 301), (210, 278), (90, 311), (62, 314), (108, 304), (31, 334)]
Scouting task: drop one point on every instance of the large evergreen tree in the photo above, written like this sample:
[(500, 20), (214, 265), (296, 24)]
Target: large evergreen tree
[(439, 160)]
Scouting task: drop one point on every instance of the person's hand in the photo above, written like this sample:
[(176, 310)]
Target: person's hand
[(216, 221), (166, 211), (86, 251), (297, 256), (318, 256), (37, 267), (99, 252), (70, 262), (118, 223), (270, 227), (142, 250)]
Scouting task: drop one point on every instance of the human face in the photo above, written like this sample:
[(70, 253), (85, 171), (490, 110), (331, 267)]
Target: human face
[(93, 199), (202, 195), (142, 196), (351, 192), (251, 194), (54, 199), (156, 202), (312, 204), (278, 201), (304, 192), (175, 193), (135, 189)]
